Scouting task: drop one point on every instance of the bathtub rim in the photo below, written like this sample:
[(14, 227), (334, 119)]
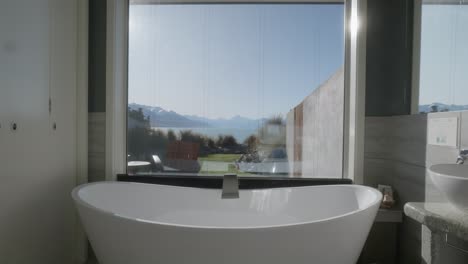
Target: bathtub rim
[(81, 202)]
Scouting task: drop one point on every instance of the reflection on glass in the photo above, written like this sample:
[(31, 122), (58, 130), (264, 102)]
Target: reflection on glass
[(251, 89)]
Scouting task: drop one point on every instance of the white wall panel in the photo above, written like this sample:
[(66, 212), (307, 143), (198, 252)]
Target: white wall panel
[(37, 163)]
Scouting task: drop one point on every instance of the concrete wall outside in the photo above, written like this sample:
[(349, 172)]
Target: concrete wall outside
[(290, 139), (322, 130)]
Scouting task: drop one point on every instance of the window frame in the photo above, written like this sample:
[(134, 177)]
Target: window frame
[(117, 82)]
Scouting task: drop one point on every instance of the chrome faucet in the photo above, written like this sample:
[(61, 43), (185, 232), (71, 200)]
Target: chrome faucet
[(462, 156), (230, 187)]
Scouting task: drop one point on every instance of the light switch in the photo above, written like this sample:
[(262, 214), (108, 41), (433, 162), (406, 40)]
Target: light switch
[(443, 132)]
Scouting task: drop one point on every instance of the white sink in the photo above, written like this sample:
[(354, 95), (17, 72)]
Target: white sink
[(452, 181)]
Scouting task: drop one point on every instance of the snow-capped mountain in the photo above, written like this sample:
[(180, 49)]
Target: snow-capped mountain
[(233, 122), (160, 117), (442, 107)]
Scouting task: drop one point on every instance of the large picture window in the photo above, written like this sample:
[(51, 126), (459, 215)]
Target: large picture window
[(250, 89)]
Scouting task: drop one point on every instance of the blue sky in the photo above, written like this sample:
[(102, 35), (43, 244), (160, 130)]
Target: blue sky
[(261, 60), (444, 54), (226, 60)]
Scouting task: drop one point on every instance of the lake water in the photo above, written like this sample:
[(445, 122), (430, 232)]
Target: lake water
[(213, 132)]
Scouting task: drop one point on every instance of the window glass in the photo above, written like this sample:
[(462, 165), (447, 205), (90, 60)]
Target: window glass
[(250, 89), (444, 57)]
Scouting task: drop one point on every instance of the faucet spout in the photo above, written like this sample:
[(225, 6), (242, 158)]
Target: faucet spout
[(462, 156), (230, 187)]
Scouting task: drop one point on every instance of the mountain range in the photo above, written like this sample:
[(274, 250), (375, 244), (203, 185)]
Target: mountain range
[(160, 117), (442, 107)]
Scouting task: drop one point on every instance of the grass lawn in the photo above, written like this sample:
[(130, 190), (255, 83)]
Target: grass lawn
[(221, 157), (227, 158)]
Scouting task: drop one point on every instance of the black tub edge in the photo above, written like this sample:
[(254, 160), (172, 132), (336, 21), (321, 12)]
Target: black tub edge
[(216, 182)]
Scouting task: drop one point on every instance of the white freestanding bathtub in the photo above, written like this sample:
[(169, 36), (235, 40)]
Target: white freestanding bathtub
[(133, 223)]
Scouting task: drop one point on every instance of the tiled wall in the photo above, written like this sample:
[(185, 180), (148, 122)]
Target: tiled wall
[(438, 154), (96, 146), (96, 156), (397, 154), (395, 151)]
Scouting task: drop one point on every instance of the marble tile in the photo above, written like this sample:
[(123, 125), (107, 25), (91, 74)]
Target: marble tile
[(409, 183), (377, 171), (395, 154), (96, 146), (96, 167), (97, 132), (407, 180), (400, 138)]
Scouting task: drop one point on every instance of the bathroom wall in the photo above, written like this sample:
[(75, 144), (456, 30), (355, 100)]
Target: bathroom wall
[(38, 163), (442, 154), (397, 154), (443, 79), (438, 155), (395, 142), (395, 151), (96, 146)]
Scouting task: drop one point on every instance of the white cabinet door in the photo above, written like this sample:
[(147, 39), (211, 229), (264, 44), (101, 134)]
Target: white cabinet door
[(37, 163)]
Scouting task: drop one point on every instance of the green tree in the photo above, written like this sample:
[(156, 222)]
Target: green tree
[(275, 120), (211, 143), (171, 136), (138, 116), (251, 142), (229, 142)]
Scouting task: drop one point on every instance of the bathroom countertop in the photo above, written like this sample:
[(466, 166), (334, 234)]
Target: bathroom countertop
[(441, 217)]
